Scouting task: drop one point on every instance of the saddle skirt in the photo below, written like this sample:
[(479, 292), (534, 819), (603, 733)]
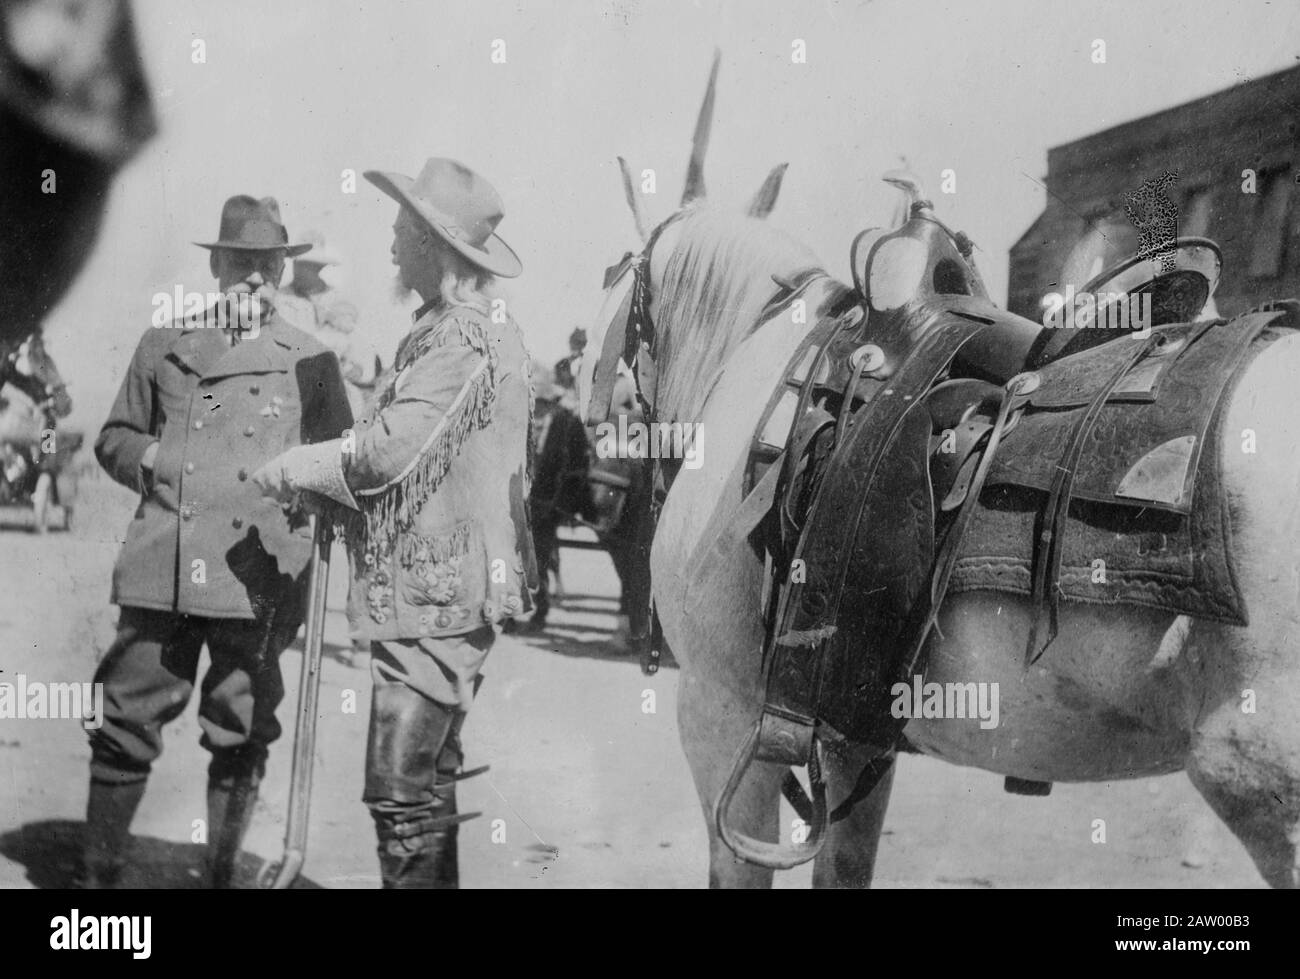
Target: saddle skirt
[(1149, 522)]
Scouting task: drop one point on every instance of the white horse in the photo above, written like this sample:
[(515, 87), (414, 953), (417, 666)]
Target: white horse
[(1123, 692)]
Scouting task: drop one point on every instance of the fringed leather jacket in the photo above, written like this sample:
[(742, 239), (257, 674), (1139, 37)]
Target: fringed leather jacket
[(434, 482)]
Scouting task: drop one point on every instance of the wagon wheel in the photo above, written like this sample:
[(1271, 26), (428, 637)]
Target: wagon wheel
[(41, 498)]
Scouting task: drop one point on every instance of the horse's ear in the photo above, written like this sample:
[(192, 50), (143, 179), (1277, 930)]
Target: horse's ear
[(761, 206), (694, 188), (633, 201)]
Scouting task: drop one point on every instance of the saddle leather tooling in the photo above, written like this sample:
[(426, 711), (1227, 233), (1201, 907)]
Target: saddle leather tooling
[(1149, 523)]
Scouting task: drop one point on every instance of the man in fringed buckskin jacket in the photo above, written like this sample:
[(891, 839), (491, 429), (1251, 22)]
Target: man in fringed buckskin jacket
[(433, 486)]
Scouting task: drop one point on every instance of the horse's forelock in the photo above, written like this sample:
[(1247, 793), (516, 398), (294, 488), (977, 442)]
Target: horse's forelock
[(716, 283)]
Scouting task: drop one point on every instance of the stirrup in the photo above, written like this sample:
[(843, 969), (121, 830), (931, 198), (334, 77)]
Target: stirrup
[(776, 856)]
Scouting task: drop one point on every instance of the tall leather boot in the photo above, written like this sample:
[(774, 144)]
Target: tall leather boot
[(230, 809), (417, 843), (109, 812), (413, 802)]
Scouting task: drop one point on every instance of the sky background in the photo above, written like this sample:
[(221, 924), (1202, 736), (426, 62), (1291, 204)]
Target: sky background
[(292, 94)]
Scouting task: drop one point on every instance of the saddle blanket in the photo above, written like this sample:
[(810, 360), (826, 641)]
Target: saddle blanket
[(1173, 554)]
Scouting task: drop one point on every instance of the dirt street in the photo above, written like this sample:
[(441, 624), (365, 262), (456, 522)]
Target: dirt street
[(588, 787)]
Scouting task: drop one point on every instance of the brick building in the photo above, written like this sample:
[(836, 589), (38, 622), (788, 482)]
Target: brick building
[(1209, 143)]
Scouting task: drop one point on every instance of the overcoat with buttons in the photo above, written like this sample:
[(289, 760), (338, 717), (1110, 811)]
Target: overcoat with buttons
[(439, 470), (204, 541)]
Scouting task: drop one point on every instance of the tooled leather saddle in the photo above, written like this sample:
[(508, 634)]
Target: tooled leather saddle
[(871, 458)]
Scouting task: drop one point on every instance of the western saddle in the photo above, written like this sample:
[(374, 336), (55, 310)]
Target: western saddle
[(864, 471)]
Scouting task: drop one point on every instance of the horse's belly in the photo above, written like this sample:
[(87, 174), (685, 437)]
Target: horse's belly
[(1105, 701)]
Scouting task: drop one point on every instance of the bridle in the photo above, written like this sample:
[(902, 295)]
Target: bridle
[(639, 337)]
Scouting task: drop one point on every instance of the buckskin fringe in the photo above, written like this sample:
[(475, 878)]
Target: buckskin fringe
[(392, 510), (415, 547)]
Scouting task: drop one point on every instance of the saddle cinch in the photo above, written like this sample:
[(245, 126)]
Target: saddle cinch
[(871, 462)]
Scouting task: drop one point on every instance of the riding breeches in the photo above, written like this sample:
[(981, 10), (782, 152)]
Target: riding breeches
[(149, 674)]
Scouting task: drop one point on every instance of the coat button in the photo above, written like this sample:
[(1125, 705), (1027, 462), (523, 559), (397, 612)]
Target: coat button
[(250, 431), (187, 511), (242, 474), (198, 423), (255, 390), (189, 467), (237, 523)]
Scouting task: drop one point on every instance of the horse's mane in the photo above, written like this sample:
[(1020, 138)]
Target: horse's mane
[(717, 282)]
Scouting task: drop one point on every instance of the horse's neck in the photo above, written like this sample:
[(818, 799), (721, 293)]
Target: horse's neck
[(781, 322)]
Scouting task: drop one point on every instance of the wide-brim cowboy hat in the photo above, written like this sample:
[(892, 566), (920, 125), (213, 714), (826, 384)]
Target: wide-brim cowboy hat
[(461, 207), (249, 224)]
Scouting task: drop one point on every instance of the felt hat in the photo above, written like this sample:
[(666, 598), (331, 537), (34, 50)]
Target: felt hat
[(249, 224), (461, 207)]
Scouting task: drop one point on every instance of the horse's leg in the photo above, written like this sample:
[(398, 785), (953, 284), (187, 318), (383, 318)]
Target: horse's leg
[(848, 858), (1245, 756), (713, 723), (1245, 753)]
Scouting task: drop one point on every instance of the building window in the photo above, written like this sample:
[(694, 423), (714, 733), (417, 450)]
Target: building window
[(1270, 225)]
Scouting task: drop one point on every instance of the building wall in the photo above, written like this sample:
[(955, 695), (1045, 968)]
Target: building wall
[(1208, 142)]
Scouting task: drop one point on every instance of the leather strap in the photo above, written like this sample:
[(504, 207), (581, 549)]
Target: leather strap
[(806, 617), (1047, 547), (1014, 396)]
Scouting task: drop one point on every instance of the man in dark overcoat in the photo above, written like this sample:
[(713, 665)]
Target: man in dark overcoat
[(207, 560)]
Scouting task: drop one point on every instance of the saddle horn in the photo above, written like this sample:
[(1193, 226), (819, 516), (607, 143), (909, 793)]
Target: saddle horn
[(913, 192), (694, 188), (761, 206)]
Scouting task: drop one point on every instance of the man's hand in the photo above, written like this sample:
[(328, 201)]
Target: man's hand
[(307, 470), (273, 479)]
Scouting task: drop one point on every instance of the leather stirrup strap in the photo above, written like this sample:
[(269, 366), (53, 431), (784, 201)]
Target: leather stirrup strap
[(806, 618)]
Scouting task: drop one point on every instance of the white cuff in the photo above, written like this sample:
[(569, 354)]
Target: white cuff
[(319, 468)]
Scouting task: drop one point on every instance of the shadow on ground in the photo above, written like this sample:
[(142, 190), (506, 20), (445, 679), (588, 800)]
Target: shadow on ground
[(49, 851), (566, 637)]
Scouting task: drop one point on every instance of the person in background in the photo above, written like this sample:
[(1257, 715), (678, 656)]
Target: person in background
[(316, 307), (560, 489), (566, 370)]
